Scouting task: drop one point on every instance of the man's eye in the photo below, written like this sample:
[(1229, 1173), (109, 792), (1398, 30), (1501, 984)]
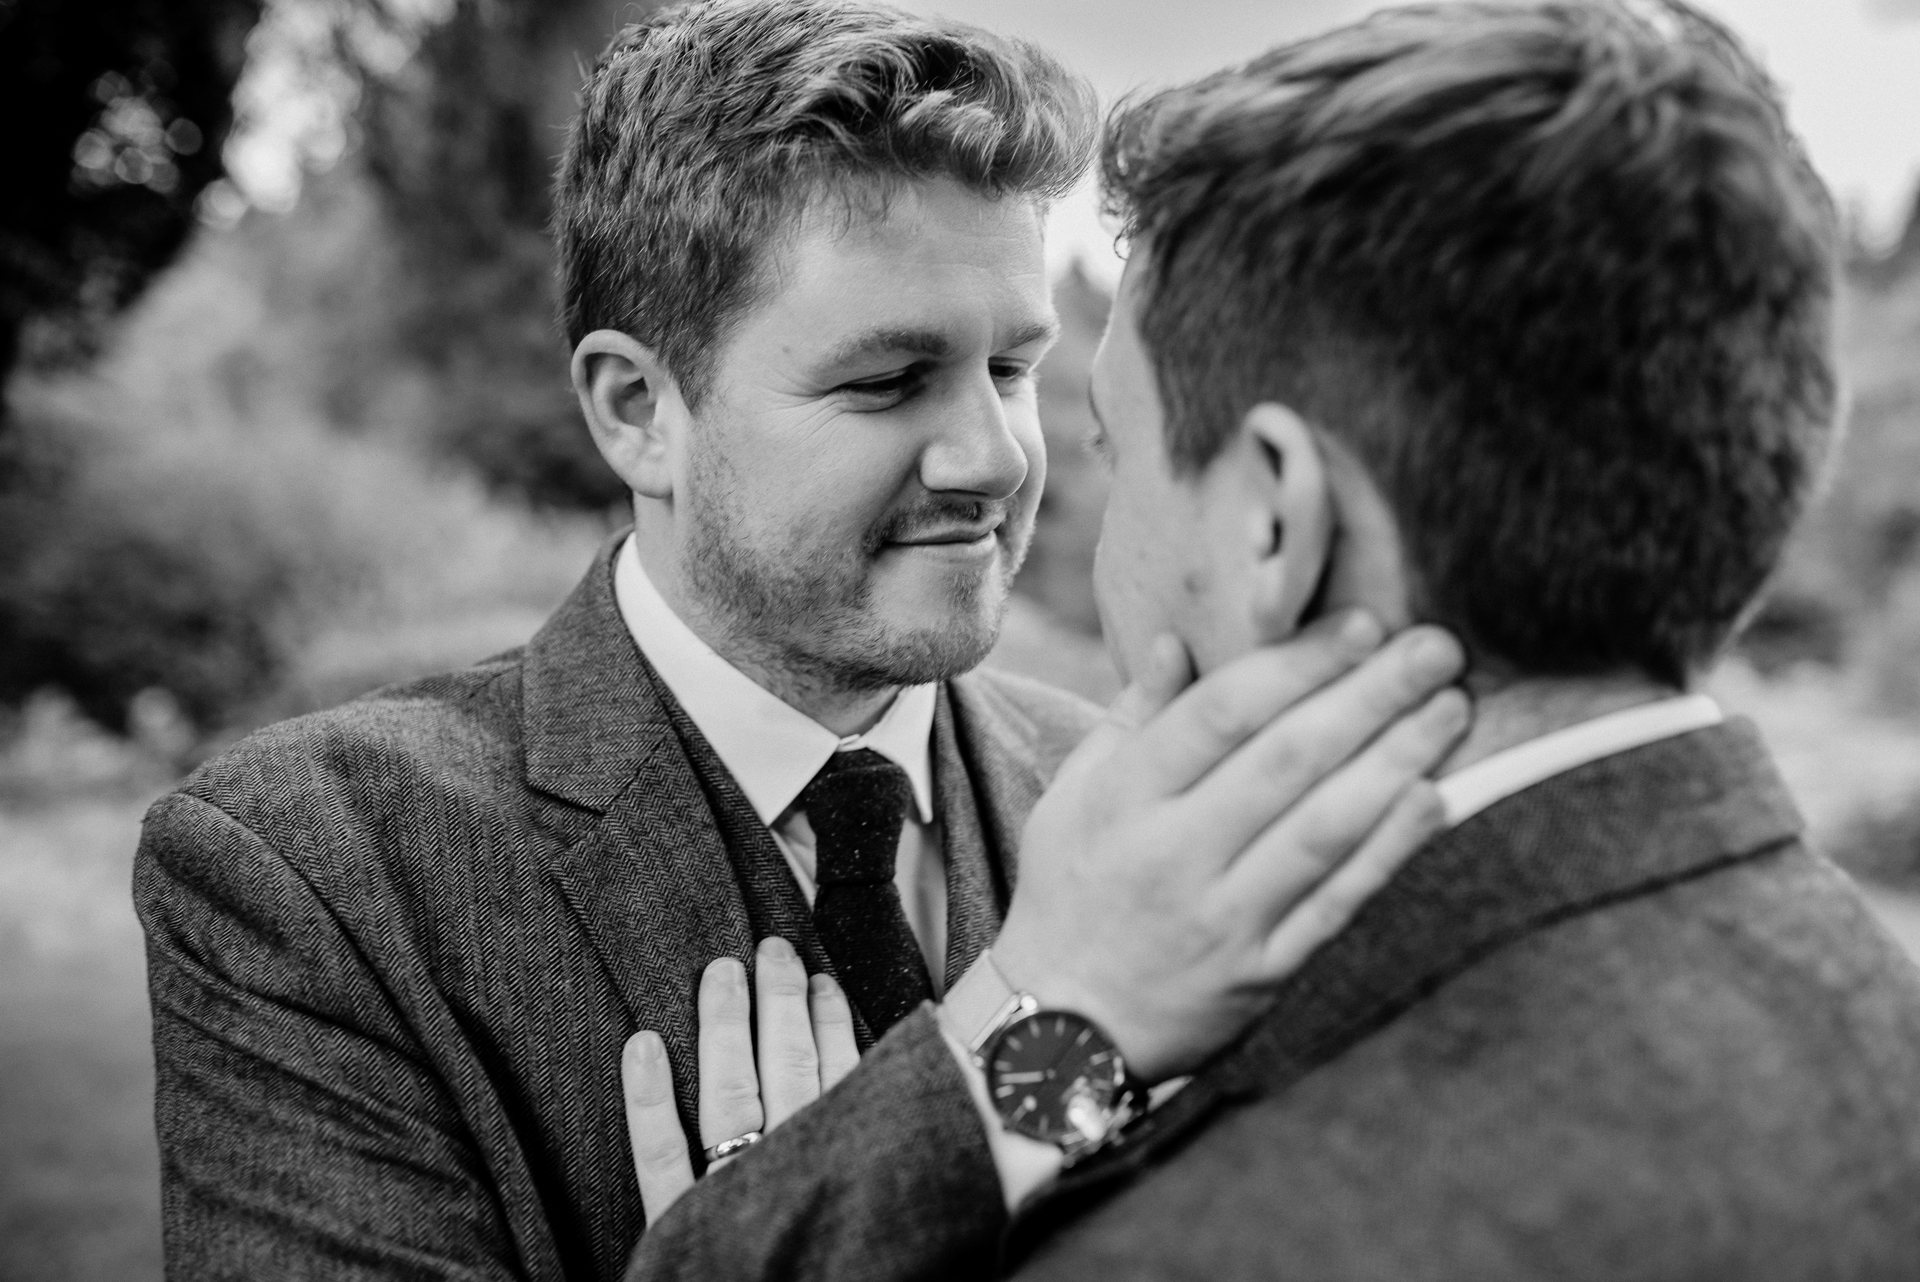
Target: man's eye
[(893, 387), (1010, 372)]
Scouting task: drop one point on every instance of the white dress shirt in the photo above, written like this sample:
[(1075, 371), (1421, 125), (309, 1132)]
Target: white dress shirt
[(1027, 1166), (773, 750), (1468, 791)]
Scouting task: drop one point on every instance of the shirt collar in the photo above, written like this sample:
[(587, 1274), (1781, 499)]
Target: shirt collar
[(772, 749), (1466, 792)]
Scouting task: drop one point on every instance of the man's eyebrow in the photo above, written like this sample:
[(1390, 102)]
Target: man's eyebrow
[(888, 341), (931, 344), (1040, 331)]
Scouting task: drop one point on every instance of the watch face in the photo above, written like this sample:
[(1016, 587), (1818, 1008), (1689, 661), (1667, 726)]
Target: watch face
[(1055, 1076)]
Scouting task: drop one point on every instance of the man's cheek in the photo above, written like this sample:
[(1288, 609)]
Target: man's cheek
[(1127, 618)]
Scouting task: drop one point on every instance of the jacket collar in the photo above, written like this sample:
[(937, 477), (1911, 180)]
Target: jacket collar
[(589, 707), (1610, 830)]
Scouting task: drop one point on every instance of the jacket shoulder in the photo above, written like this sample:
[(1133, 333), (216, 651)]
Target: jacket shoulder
[(1714, 1078), (456, 732)]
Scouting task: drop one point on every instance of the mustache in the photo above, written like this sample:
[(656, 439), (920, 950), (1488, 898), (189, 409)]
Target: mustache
[(937, 514)]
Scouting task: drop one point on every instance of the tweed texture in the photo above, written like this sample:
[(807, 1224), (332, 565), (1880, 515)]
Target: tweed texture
[(1620, 1026), (395, 948)]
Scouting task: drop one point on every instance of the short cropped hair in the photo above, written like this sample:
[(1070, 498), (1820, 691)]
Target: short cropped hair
[(1558, 273), (705, 131)]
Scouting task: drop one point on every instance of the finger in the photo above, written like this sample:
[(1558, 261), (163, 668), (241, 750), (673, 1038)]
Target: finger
[(832, 1031), (1264, 778), (729, 1088), (789, 1066), (660, 1157), (1413, 821), (1335, 819), (1221, 711), (1168, 671), (1332, 820)]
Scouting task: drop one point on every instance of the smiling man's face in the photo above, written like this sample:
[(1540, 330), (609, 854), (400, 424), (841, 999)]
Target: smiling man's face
[(859, 486)]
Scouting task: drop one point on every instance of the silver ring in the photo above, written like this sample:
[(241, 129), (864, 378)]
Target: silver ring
[(727, 1148)]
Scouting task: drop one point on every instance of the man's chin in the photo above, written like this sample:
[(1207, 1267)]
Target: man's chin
[(922, 647), (916, 657)]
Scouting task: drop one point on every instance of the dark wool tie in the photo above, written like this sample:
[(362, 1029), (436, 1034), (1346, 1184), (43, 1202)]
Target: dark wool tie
[(856, 806)]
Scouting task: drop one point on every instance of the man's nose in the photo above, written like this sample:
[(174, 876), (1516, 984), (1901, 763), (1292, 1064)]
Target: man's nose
[(976, 449)]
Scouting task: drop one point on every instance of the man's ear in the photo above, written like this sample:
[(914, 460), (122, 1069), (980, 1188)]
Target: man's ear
[(633, 407), (1293, 520)]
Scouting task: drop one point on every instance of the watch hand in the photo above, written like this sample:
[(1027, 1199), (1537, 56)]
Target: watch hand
[(1062, 1053), (1024, 1078)]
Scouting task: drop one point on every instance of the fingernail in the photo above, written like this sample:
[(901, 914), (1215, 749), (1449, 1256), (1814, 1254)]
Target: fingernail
[(775, 949), (1360, 630), (821, 984), (645, 1049), (729, 972), (1436, 655)]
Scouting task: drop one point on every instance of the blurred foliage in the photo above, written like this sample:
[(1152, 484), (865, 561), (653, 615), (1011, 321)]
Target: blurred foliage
[(270, 452), (107, 593), (116, 111), (1848, 593), (199, 516), (462, 145), (1059, 568)]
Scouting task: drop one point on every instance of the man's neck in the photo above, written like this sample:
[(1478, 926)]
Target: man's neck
[(1509, 713), (845, 712)]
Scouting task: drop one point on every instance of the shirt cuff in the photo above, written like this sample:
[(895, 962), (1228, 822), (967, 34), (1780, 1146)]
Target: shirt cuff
[(1026, 1166)]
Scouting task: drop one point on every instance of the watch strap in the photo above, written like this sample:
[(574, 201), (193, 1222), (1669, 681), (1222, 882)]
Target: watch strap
[(981, 1003)]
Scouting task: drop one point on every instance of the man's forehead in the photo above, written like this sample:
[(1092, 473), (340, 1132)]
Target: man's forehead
[(934, 225), (933, 292)]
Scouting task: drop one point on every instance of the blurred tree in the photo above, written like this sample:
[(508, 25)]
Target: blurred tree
[(115, 110), (462, 144)]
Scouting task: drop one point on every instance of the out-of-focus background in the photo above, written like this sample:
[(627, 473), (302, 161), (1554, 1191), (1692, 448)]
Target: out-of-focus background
[(286, 418)]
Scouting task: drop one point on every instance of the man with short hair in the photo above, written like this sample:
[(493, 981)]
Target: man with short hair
[(1513, 317), (395, 947)]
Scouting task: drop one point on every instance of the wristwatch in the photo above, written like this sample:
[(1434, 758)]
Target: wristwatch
[(1053, 1075)]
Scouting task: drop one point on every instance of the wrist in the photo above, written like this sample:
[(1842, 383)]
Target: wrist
[(1053, 1074), (1056, 987)]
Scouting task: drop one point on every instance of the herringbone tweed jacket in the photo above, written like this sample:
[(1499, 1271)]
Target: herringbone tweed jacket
[(1621, 1026), (395, 949)]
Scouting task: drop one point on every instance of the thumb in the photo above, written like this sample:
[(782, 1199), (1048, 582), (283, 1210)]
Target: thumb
[(1166, 672)]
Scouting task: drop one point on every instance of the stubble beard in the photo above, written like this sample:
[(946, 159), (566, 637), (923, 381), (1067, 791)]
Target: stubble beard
[(808, 615)]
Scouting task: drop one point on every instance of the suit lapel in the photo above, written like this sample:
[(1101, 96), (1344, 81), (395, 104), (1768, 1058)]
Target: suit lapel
[(1616, 828), (647, 874), (977, 739), (654, 890), (773, 900), (979, 873)]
